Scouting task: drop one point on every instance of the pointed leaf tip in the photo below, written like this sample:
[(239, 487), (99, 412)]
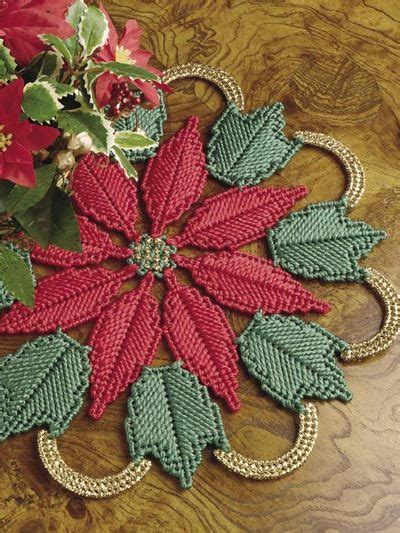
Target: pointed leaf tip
[(293, 360), (171, 417)]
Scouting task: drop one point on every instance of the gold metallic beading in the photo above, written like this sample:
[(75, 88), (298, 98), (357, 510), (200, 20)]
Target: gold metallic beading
[(356, 176), (287, 463), (220, 78), (85, 485), (391, 322)]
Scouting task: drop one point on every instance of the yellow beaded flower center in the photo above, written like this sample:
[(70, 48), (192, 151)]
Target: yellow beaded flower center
[(5, 140), (122, 55)]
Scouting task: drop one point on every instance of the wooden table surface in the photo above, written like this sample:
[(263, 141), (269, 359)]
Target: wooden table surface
[(335, 64)]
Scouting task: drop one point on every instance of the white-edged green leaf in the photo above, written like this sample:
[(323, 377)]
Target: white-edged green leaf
[(52, 64), (133, 140), (58, 45), (89, 78), (74, 16), (21, 198), (40, 101), (95, 124), (126, 69), (62, 89), (16, 275), (93, 30), (129, 169), (7, 62)]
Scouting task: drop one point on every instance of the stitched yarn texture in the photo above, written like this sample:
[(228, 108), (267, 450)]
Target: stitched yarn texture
[(320, 242), (42, 384), (125, 334), (293, 359), (171, 417), (246, 148)]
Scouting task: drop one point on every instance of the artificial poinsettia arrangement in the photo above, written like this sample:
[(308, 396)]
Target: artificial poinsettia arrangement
[(66, 78)]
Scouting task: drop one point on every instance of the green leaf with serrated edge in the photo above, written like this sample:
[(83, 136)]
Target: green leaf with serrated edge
[(64, 226), (133, 140), (246, 148), (8, 63), (171, 417), (127, 166), (52, 64), (58, 45), (149, 121), (89, 79), (126, 70), (21, 198), (293, 359), (321, 242), (16, 276), (40, 101), (62, 89), (42, 384), (74, 16), (93, 30), (95, 124)]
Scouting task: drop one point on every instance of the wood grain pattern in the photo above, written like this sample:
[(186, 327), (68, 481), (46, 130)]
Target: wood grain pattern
[(335, 64)]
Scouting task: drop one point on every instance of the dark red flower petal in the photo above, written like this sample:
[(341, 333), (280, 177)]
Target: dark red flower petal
[(102, 192), (236, 217), (199, 334), (248, 283), (96, 247), (123, 340), (175, 178), (66, 299)]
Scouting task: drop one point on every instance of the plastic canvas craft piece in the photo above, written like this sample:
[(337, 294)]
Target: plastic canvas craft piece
[(6, 298), (292, 359)]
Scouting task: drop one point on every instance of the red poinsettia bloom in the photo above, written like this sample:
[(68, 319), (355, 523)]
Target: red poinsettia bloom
[(19, 139), (127, 50), (127, 330), (22, 21)]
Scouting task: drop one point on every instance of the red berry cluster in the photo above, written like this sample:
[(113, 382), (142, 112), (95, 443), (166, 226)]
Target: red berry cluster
[(123, 99)]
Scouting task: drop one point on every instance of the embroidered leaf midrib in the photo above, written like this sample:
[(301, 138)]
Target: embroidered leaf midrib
[(254, 134)]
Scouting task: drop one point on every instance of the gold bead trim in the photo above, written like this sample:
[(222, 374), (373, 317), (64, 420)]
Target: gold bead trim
[(356, 176), (391, 323), (85, 485), (217, 76), (287, 463)]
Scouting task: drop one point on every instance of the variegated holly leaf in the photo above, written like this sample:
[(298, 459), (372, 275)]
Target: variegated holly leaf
[(58, 45), (246, 148), (293, 359), (40, 101), (171, 417), (95, 124), (42, 384), (74, 17), (93, 30), (7, 63), (321, 242)]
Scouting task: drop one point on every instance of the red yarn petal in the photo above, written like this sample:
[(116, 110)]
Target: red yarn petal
[(96, 247), (66, 299), (103, 192), (248, 283), (123, 339), (237, 217), (199, 334), (175, 178)]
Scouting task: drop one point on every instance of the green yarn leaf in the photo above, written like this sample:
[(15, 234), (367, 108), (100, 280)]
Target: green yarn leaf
[(17, 280), (293, 359), (321, 242), (171, 416), (246, 148), (150, 122), (42, 384)]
